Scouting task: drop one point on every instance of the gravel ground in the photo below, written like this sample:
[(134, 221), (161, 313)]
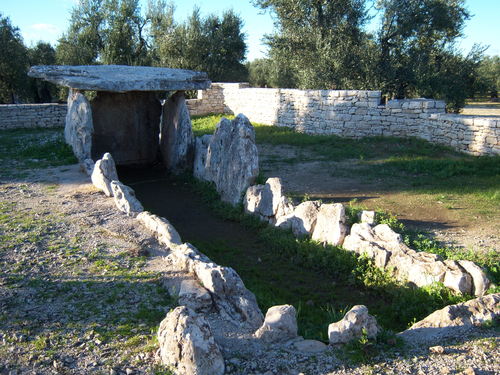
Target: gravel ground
[(78, 295)]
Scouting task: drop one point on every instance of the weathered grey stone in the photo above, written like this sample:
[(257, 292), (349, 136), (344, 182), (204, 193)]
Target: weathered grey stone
[(177, 140), (224, 284), (125, 199), (187, 343), (232, 158), (229, 292), (79, 127), (309, 346), (267, 201), (279, 325), (453, 321), (104, 172), (387, 249), (330, 225), (367, 217), (161, 227), (302, 220), (352, 326), (120, 78), (194, 296), (200, 155), (127, 126), (480, 282)]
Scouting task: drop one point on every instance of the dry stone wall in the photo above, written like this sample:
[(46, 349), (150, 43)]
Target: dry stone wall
[(14, 116), (352, 114)]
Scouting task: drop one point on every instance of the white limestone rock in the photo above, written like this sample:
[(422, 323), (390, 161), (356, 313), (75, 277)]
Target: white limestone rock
[(453, 321), (177, 139), (200, 155), (456, 279), (279, 325), (267, 201), (232, 158), (161, 227), (352, 326), (330, 225), (309, 346), (187, 343), (121, 78), (367, 217), (125, 199), (79, 127), (480, 282), (194, 296), (302, 220), (104, 172)]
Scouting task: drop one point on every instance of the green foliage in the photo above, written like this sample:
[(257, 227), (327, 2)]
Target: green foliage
[(259, 72), (41, 91), (489, 72), (212, 44), (13, 63)]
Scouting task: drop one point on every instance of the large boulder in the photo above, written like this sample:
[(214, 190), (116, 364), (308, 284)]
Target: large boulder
[(267, 201), (177, 140), (479, 280), (355, 323), (125, 199), (302, 220), (194, 296), (279, 325), (161, 227), (454, 321), (187, 343), (103, 173), (79, 127), (228, 292), (231, 161), (330, 225)]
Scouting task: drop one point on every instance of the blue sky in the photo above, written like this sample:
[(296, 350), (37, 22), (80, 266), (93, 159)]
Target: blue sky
[(48, 19)]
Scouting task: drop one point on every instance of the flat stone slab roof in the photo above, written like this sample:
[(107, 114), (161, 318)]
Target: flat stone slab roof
[(121, 78)]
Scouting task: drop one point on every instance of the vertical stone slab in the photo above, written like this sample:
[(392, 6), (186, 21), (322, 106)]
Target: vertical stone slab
[(177, 140), (126, 125), (79, 126)]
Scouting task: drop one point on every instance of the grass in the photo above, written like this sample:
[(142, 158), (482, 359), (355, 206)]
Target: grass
[(23, 149), (289, 270)]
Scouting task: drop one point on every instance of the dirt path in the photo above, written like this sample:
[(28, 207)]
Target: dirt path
[(452, 222)]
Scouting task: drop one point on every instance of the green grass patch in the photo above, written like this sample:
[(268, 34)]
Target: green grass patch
[(22, 149)]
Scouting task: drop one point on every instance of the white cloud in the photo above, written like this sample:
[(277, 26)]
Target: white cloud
[(41, 31)]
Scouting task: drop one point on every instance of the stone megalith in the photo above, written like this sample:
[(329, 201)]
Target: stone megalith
[(352, 326), (176, 140), (125, 199), (279, 325), (200, 155), (330, 225), (79, 127), (187, 343), (232, 160), (103, 173)]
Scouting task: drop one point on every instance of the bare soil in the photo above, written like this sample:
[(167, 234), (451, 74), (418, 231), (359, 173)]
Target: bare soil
[(452, 222), (482, 108)]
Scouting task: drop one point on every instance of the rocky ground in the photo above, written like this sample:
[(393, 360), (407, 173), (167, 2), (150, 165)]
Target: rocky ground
[(80, 293)]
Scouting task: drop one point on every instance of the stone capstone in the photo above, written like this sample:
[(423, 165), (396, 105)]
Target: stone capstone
[(231, 162), (330, 225), (187, 343), (302, 219), (161, 227), (121, 78), (79, 128), (176, 140), (355, 323), (280, 324), (103, 173), (125, 199), (267, 201), (127, 125)]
